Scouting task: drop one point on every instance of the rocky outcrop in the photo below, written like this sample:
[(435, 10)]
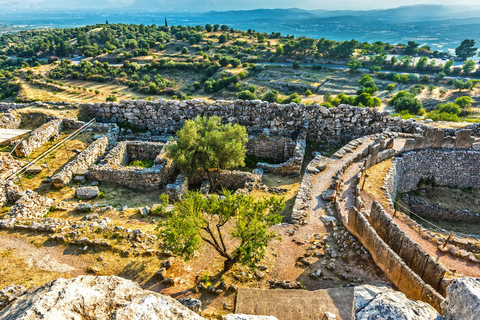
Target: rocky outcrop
[(375, 302), (463, 300), (99, 298), (29, 205)]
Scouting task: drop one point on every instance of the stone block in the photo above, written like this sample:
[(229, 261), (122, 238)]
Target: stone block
[(380, 252), (420, 143), (432, 297), (395, 237), (409, 144), (410, 283), (419, 260), (434, 273), (86, 193), (434, 137), (394, 267), (407, 250), (464, 139)]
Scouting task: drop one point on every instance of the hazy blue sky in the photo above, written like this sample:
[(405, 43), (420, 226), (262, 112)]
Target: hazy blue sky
[(237, 4)]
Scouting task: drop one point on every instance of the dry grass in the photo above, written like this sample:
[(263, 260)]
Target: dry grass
[(14, 270), (374, 182)]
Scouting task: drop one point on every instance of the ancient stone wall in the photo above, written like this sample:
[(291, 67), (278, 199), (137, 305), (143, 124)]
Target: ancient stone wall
[(328, 125), (39, 137), (9, 120), (458, 168), (401, 275), (432, 211), (293, 165), (276, 148), (112, 169), (81, 162), (411, 253)]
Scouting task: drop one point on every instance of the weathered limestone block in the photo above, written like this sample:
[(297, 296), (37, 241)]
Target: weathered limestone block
[(420, 143), (380, 302), (434, 137), (464, 139), (463, 300), (87, 193), (409, 144), (176, 191)]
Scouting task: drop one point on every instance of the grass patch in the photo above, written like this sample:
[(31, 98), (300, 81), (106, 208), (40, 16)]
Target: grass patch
[(141, 163)]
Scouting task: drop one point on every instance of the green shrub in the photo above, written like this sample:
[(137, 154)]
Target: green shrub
[(246, 95)]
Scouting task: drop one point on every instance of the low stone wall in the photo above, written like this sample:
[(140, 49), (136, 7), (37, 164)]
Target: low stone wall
[(404, 278), (81, 162), (112, 169), (293, 165), (9, 120), (343, 123), (435, 211), (39, 137), (411, 253)]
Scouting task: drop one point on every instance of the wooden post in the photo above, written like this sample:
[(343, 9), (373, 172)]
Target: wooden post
[(396, 208), (364, 179), (448, 239)]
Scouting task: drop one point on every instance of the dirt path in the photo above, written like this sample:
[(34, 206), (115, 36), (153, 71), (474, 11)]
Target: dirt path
[(44, 258), (295, 246)]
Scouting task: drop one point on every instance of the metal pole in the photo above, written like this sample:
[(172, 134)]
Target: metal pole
[(26, 153), (19, 179), (45, 158), (65, 144)]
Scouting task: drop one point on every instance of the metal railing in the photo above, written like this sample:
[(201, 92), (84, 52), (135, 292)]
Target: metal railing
[(44, 155)]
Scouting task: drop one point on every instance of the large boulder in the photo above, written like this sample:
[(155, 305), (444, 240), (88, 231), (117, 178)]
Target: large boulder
[(92, 297), (87, 193), (381, 302), (463, 300)]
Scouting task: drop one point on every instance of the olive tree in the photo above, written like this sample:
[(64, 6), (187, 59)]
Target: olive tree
[(235, 225), (204, 147)]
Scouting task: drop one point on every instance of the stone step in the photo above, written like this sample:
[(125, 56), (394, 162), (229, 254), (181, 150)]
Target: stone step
[(294, 304)]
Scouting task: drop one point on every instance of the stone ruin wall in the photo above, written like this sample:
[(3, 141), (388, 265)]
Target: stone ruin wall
[(275, 148), (442, 165), (335, 125), (437, 211), (112, 168), (81, 162), (9, 120), (401, 275), (39, 137)]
